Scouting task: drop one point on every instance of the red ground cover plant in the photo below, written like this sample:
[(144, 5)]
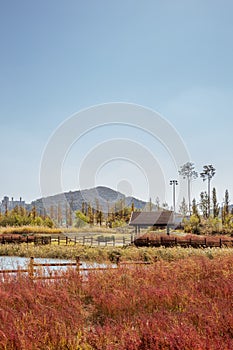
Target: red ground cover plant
[(185, 304), (156, 240)]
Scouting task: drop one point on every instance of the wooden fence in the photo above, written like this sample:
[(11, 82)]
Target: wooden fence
[(103, 241), (35, 274), (182, 242), (93, 241)]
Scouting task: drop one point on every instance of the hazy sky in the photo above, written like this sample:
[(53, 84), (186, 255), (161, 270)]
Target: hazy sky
[(58, 57)]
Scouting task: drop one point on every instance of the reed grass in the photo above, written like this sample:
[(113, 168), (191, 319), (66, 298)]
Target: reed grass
[(29, 229), (46, 230), (105, 254)]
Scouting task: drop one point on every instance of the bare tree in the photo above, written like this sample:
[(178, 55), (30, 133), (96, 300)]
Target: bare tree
[(157, 203), (204, 204), (207, 174), (150, 205), (188, 172)]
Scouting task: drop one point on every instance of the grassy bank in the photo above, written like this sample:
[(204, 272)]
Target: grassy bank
[(185, 304), (29, 229), (111, 253), (46, 230)]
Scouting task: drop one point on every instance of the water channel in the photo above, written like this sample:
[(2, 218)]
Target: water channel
[(15, 262)]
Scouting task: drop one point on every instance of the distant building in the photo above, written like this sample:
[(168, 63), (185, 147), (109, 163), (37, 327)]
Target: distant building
[(155, 219), (8, 204)]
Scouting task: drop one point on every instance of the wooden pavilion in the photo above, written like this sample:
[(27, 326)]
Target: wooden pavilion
[(160, 219)]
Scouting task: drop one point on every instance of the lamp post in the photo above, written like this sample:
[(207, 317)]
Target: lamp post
[(174, 183)]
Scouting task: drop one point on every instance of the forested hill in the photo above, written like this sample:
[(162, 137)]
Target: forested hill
[(103, 197)]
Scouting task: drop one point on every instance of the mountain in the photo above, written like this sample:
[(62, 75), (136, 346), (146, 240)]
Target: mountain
[(102, 197)]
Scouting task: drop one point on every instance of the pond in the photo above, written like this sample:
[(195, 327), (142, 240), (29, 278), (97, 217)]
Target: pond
[(15, 262)]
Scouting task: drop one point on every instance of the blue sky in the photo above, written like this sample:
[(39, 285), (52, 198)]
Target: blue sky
[(58, 57)]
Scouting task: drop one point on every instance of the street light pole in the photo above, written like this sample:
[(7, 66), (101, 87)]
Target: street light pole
[(174, 183)]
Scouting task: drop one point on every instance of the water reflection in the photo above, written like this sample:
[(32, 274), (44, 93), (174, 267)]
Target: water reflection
[(15, 262)]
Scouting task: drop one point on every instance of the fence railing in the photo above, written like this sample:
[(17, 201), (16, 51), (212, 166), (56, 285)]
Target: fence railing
[(66, 240), (113, 241), (35, 274), (94, 241)]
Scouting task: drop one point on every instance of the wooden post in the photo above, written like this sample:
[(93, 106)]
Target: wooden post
[(31, 268), (220, 243), (75, 240), (91, 241), (113, 241), (66, 240), (77, 264), (131, 238)]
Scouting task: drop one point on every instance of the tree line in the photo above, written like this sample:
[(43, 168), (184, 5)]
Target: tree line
[(19, 216), (115, 216), (206, 215)]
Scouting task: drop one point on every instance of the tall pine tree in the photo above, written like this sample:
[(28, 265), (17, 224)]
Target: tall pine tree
[(215, 204), (225, 210)]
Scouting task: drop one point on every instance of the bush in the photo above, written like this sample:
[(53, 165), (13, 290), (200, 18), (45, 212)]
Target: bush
[(81, 220), (192, 225), (118, 223)]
